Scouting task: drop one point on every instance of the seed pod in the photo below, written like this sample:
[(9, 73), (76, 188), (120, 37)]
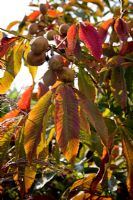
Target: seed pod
[(35, 60), (43, 8), (39, 44), (63, 29), (121, 29), (33, 28), (66, 75), (56, 62), (50, 34)]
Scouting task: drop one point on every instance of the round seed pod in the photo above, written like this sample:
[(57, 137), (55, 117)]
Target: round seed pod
[(50, 34), (33, 28), (35, 60), (63, 29), (43, 8), (39, 45), (56, 62), (66, 75)]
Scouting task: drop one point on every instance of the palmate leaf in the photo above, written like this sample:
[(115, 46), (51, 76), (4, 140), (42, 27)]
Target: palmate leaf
[(34, 125), (94, 116), (67, 121), (91, 38), (127, 142)]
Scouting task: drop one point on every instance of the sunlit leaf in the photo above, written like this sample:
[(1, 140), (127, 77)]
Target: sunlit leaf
[(95, 117), (33, 16), (5, 44), (34, 125), (29, 177), (103, 28), (67, 121), (89, 35), (72, 39), (124, 3), (119, 86), (54, 13), (127, 142), (86, 85), (24, 101), (10, 115), (10, 25), (5, 82)]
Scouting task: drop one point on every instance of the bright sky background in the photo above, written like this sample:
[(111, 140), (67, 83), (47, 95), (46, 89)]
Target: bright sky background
[(12, 10)]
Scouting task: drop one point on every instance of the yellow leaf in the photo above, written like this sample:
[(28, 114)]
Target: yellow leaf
[(5, 82), (12, 24), (29, 177)]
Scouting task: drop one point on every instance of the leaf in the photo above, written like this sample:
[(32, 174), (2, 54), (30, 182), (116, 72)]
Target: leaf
[(67, 121), (10, 115), (72, 37), (86, 85), (127, 143), (10, 25), (5, 44), (24, 101), (54, 13), (5, 82), (34, 125), (118, 84), (103, 28), (129, 81), (33, 16), (94, 116), (124, 3), (121, 29), (89, 35), (29, 177), (126, 48)]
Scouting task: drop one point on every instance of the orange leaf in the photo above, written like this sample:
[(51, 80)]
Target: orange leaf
[(103, 28), (34, 125), (89, 35), (32, 17), (128, 153), (5, 44), (72, 37), (54, 13), (10, 115), (121, 29), (67, 121), (24, 102)]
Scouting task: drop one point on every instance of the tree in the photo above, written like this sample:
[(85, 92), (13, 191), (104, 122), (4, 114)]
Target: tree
[(70, 135)]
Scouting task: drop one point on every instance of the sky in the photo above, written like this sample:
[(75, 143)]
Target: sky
[(12, 10)]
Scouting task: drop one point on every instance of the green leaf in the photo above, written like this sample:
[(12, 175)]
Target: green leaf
[(86, 85), (94, 116), (118, 84), (34, 125), (67, 121)]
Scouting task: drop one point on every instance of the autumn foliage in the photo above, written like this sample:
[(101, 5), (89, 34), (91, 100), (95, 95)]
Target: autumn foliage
[(69, 135)]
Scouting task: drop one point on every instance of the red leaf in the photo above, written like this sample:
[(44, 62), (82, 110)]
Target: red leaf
[(103, 28), (67, 121), (72, 37), (24, 102), (121, 29), (32, 17), (126, 48), (5, 44), (54, 13), (89, 35)]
